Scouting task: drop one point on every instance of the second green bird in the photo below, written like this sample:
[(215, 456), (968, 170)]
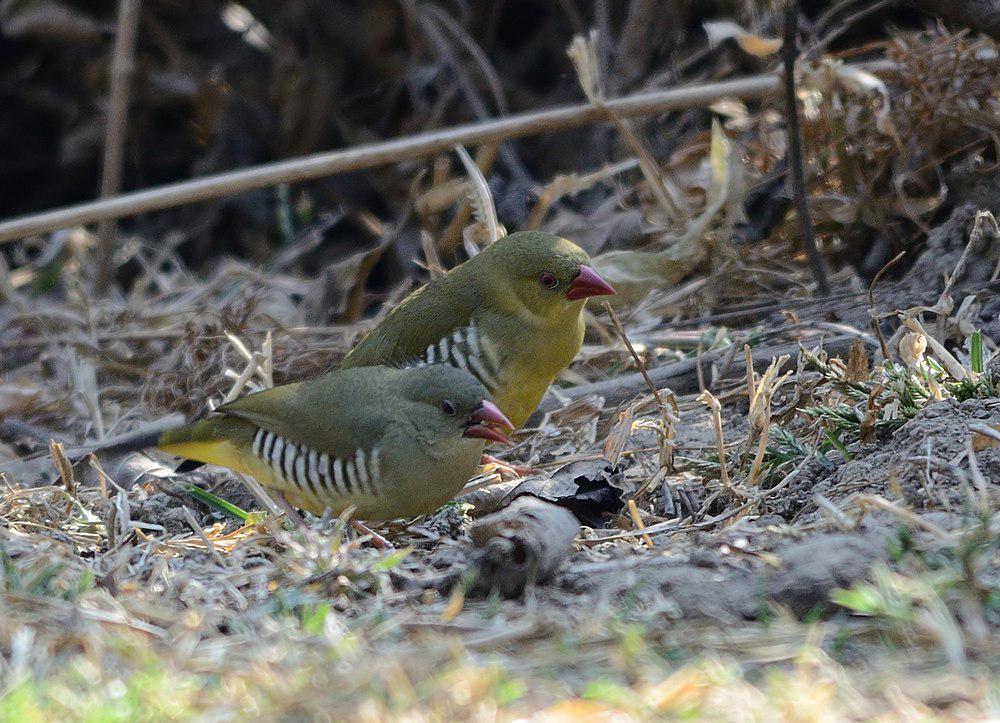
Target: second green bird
[(390, 442), (511, 315)]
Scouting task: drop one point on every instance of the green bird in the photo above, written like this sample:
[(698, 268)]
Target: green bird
[(391, 442), (511, 315)]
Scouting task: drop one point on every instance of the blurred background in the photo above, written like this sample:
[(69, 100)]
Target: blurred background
[(222, 85)]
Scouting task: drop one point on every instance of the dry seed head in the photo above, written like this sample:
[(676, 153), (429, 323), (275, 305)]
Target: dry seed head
[(911, 349), (583, 52)]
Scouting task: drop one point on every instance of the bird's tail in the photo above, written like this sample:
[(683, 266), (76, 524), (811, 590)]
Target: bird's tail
[(133, 442), (207, 440)]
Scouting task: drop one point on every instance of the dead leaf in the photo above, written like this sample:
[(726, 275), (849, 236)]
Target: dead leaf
[(982, 441), (862, 82), (759, 46), (590, 489), (607, 226), (857, 363), (635, 273), (336, 292)]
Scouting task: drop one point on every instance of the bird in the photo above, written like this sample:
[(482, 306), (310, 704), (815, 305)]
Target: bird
[(512, 315), (392, 443)]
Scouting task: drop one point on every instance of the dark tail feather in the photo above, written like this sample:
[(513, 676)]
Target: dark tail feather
[(131, 442), (13, 429), (145, 438)]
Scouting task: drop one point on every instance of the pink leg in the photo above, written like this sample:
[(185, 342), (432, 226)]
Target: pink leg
[(508, 471), (377, 540)]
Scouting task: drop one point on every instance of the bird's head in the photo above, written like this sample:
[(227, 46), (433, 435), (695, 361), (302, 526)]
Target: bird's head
[(450, 402), (547, 273)]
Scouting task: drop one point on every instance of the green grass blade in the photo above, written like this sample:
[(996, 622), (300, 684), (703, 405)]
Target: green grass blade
[(976, 351), (227, 508)]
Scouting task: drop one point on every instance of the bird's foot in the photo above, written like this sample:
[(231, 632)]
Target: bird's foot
[(377, 540), (505, 470), (290, 514)]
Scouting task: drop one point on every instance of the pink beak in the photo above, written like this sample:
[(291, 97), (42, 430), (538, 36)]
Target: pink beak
[(480, 425), (588, 283)]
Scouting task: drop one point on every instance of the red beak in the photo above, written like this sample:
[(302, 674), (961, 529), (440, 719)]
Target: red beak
[(588, 283), (480, 425)]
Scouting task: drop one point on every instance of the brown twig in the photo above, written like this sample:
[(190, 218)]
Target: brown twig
[(667, 450), (393, 151), (876, 327), (122, 68), (616, 322), (789, 52)]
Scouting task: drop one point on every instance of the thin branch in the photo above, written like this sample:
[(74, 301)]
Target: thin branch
[(384, 153), (875, 322), (122, 69), (789, 51)]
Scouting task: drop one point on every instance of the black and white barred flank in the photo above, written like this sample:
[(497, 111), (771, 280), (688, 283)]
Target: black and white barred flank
[(318, 472), (464, 349)]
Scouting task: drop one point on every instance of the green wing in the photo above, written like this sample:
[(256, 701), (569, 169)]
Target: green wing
[(336, 413), (423, 318)]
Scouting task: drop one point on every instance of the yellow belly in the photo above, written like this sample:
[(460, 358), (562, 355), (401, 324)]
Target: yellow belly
[(527, 374), (519, 395)]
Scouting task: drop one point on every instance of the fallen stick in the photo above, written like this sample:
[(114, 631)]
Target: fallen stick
[(522, 544), (384, 153), (682, 377)]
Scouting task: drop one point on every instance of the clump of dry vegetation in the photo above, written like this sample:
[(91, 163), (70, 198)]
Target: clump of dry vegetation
[(788, 503)]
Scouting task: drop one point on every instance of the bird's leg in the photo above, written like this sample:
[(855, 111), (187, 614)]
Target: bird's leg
[(294, 517), (507, 471), (378, 541)]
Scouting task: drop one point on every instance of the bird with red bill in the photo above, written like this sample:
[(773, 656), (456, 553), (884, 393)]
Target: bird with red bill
[(512, 316), (388, 442)]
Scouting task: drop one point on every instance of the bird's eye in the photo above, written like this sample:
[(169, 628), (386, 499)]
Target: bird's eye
[(548, 280), (447, 407)]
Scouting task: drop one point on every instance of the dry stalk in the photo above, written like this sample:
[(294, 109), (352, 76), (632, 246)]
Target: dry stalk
[(979, 482), (616, 440), (197, 529), (455, 232), (432, 258), (875, 317), (760, 412), (789, 51), (751, 372), (633, 513), (62, 465), (122, 69), (836, 515), (875, 501), (480, 197), (667, 419), (710, 400), (570, 184)]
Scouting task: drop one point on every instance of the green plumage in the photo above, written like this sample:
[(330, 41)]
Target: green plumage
[(531, 331), (400, 453)]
